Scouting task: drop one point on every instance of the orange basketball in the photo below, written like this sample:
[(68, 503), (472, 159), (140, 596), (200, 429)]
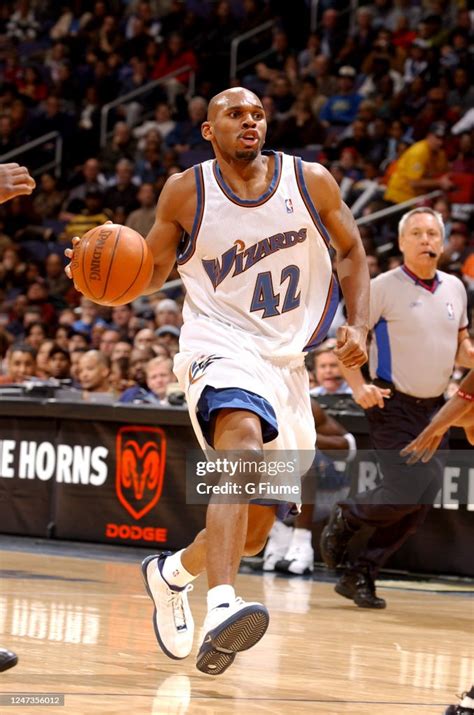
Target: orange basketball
[(112, 265)]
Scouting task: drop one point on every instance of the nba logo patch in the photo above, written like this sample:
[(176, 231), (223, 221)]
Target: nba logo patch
[(450, 311), (289, 206)]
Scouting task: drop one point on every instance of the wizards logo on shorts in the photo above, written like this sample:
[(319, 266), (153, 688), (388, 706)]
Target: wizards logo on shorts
[(141, 458), (199, 367)]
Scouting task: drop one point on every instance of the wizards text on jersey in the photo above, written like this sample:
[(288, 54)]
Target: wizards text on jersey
[(241, 259)]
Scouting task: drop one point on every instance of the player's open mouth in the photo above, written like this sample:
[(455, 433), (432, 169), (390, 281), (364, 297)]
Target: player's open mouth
[(249, 138)]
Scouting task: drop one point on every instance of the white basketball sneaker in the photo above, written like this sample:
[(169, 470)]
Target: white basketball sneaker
[(230, 629), (277, 545), (299, 559), (172, 619)]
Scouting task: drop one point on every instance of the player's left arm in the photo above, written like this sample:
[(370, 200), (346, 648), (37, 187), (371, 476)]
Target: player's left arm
[(465, 351), (351, 263)]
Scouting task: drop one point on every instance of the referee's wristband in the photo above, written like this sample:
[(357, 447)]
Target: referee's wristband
[(352, 446), (465, 395)]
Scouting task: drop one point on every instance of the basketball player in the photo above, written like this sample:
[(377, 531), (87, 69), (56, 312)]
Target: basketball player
[(458, 411), (252, 234), (15, 180)]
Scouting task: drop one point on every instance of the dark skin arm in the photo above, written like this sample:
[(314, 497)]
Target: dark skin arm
[(15, 180), (351, 264), (457, 411), (330, 434), (174, 215)]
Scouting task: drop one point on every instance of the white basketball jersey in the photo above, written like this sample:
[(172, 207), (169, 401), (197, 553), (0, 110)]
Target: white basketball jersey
[(258, 266)]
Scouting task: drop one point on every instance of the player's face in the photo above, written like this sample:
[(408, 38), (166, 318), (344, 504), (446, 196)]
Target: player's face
[(421, 237), (238, 128)]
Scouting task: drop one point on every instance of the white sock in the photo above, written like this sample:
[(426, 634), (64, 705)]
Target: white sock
[(175, 573), (280, 530), (220, 595), (467, 703), (301, 536)]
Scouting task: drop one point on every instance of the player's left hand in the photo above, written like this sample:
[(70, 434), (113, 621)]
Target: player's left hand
[(425, 445), (351, 347)]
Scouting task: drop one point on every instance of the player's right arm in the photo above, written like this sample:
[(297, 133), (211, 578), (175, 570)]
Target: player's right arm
[(459, 410), (351, 263), (174, 217)]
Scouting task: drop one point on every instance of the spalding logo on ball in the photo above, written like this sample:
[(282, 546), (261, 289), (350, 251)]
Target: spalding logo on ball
[(112, 265)]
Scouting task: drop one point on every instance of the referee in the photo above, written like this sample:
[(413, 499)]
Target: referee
[(418, 316)]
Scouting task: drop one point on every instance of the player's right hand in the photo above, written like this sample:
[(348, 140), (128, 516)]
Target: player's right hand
[(371, 396)]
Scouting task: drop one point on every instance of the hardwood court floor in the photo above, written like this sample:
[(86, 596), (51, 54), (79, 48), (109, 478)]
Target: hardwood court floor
[(82, 626)]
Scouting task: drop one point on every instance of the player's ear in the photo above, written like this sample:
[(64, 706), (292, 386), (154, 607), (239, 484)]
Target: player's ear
[(206, 131)]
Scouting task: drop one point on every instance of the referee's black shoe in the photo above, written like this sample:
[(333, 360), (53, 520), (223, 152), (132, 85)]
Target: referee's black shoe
[(359, 586), (334, 538), (7, 659)]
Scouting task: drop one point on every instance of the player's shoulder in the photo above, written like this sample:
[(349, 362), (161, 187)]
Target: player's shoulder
[(178, 190), (319, 181), (314, 169), (181, 181)]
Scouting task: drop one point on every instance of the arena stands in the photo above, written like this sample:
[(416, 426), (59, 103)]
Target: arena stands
[(361, 92)]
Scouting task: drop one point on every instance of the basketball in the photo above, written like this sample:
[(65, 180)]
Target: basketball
[(112, 265)]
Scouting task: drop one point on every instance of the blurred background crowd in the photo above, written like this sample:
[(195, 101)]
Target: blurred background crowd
[(380, 93)]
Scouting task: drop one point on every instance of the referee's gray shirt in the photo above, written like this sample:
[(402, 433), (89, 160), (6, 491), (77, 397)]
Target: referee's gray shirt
[(415, 330)]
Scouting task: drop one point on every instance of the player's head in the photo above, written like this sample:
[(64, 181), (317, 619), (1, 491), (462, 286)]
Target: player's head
[(236, 124)]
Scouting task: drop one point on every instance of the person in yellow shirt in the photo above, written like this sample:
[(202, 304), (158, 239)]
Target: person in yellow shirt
[(421, 168), (91, 216)]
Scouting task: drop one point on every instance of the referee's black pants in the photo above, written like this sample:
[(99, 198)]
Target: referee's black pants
[(399, 505)]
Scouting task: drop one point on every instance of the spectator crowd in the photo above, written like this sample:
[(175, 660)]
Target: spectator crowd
[(380, 95)]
